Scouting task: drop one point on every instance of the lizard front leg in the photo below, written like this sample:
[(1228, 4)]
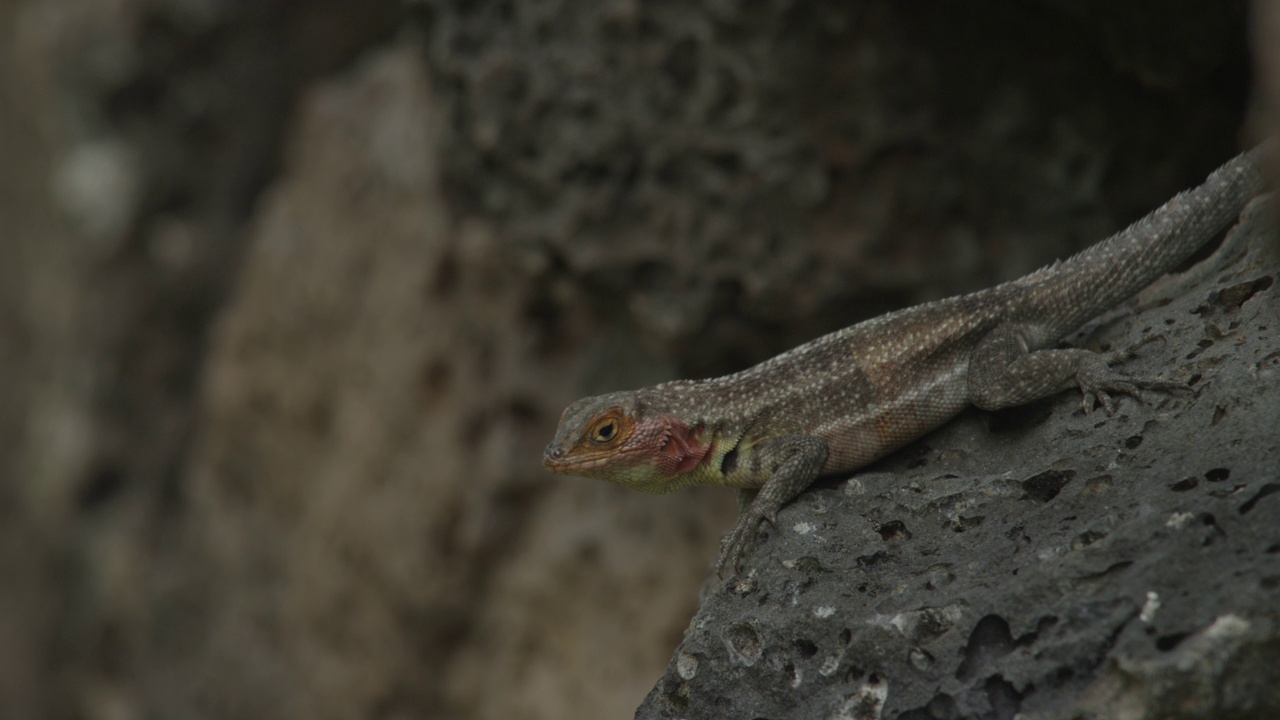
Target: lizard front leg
[(796, 461), (1004, 373)]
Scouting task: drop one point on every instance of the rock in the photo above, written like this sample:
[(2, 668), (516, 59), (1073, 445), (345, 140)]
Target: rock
[(1038, 562)]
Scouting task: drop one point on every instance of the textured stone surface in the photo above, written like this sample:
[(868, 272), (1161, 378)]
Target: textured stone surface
[(690, 161), (1040, 561)]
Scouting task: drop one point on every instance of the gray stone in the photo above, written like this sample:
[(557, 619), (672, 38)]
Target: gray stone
[(1039, 562)]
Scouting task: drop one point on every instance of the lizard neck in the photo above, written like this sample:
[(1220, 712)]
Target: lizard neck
[(686, 448), (698, 448)]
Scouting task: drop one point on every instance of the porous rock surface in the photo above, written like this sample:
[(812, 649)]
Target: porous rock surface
[(1038, 562), (732, 178)]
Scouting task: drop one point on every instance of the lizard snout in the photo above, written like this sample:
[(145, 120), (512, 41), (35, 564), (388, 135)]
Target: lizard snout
[(553, 454)]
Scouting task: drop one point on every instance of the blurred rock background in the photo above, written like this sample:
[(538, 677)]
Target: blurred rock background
[(292, 294)]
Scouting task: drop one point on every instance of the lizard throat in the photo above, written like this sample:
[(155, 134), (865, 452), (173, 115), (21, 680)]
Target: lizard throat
[(683, 449)]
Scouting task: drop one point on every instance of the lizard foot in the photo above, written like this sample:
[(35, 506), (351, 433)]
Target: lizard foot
[(1098, 381), (738, 543)]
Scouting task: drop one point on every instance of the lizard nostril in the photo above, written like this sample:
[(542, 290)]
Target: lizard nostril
[(554, 452)]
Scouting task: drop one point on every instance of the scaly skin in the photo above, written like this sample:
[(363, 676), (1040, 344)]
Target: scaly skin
[(845, 399)]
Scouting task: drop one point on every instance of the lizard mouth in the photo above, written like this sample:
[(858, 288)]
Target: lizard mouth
[(576, 464), (556, 460)]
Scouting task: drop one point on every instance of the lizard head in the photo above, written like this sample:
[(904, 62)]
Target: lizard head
[(615, 437)]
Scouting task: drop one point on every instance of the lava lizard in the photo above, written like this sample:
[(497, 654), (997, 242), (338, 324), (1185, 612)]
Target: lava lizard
[(845, 399)]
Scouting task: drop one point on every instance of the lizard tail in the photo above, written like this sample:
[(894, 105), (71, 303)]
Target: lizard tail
[(1115, 269)]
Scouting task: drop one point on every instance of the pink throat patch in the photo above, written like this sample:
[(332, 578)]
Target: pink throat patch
[(682, 449)]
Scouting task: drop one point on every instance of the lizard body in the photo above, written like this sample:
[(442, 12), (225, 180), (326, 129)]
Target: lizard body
[(847, 398)]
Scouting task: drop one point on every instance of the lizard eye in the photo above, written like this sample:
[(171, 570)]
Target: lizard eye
[(604, 431)]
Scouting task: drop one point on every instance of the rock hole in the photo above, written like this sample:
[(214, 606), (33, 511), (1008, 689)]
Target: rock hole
[(941, 706), (745, 642), (989, 641), (1217, 475), (1236, 295), (1046, 486), (1018, 534), (1004, 699), (1195, 379), (1044, 623), (1060, 677), (1270, 583), (940, 576), (805, 648), (869, 561), (1096, 485), (793, 673), (1228, 491), (963, 524), (1111, 569), (1200, 348), (894, 530), (1219, 413), (920, 659), (1274, 549), (1185, 485), (1165, 643), (1087, 538), (1132, 442), (677, 694), (846, 637), (1215, 532), (1268, 489)]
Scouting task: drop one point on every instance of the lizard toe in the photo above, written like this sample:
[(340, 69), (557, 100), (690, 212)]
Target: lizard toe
[(1096, 397), (736, 545), (1098, 382)]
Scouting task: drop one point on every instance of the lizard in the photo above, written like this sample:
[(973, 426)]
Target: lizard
[(838, 402)]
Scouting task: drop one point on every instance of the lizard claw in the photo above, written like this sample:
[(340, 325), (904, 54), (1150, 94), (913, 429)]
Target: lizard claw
[(1098, 381), (738, 542)]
